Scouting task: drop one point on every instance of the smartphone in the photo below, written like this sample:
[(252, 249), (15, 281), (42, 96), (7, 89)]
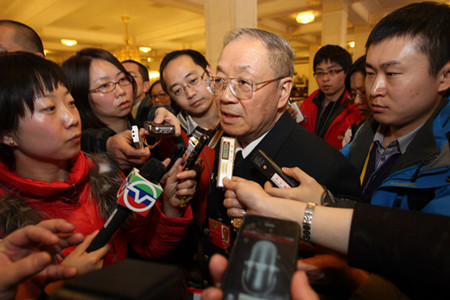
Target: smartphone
[(225, 168), (299, 118), (137, 140), (193, 156), (271, 170), (159, 129), (263, 259)]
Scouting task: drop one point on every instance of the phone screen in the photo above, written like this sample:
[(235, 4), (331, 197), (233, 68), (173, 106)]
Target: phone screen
[(263, 260)]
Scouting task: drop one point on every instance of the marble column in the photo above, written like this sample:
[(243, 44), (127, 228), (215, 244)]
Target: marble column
[(223, 16)]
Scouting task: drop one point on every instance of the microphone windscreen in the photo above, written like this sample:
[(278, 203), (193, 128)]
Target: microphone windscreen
[(152, 170)]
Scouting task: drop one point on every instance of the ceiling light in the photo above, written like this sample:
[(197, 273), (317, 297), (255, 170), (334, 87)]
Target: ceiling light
[(154, 75), (305, 17), (130, 51), (69, 43), (145, 49), (351, 44)]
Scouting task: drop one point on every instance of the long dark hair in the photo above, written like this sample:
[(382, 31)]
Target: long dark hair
[(23, 77), (76, 69)]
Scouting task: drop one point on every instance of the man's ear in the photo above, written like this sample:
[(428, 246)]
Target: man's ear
[(444, 78), (285, 91), (209, 71), (146, 86)]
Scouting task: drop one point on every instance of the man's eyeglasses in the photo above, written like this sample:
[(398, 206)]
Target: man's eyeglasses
[(159, 96), (360, 94), (241, 88), (108, 87), (330, 73), (191, 82)]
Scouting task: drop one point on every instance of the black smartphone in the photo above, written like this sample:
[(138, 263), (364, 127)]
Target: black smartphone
[(192, 158), (159, 129), (271, 170), (263, 259)]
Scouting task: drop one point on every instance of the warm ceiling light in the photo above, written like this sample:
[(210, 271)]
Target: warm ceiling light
[(69, 43), (305, 17), (145, 49), (153, 75), (351, 44), (149, 59)]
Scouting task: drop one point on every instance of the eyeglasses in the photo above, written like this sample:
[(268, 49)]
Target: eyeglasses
[(108, 87), (135, 75), (330, 73), (191, 82), (159, 96), (241, 88), (360, 94)]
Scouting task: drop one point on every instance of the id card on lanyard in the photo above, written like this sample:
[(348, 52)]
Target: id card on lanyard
[(219, 234)]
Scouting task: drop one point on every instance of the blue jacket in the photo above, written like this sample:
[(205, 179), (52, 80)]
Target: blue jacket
[(420, 178)]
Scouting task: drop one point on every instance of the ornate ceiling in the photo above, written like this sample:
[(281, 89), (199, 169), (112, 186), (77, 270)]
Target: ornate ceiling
[(166, 25)]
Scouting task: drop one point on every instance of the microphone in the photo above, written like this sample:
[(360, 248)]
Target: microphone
[(138, 193)]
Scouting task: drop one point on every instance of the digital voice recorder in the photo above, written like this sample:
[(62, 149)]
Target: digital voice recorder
[(271, 170), (225, 168)]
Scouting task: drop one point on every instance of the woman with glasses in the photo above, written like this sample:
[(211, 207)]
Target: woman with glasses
[(159, 97), (102, 89), (103, 92), (44, 175)]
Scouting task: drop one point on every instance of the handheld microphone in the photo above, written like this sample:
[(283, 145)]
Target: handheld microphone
[(138, 193)]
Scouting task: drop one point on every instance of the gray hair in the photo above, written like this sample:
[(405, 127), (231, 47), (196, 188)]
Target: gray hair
[(281, 55)]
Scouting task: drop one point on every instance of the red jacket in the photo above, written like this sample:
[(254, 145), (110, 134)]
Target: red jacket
[(336, 131), (154, 236)]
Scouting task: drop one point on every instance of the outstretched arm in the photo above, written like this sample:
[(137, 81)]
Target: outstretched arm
[(331, 226), (28, 252)]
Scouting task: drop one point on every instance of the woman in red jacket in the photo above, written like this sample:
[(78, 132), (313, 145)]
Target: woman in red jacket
[(44, 175)]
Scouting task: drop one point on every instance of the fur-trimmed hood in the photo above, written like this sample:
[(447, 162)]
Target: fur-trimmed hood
[(98, 174)]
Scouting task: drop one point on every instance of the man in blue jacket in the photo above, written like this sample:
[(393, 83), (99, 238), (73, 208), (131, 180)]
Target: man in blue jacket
[(403, 153)]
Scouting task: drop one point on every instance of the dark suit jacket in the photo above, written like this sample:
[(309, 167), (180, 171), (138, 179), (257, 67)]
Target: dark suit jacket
[(289, 145), (407, 247)]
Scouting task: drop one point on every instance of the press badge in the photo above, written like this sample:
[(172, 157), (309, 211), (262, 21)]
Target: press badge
[(219, 234)]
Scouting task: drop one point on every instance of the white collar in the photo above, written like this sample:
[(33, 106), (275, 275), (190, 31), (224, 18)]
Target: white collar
[(247, 150)]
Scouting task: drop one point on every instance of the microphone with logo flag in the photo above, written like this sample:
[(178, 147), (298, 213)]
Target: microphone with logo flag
[(138, 194)]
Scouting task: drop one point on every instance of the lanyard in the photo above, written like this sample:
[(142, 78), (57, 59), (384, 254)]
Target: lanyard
[(366, 162)]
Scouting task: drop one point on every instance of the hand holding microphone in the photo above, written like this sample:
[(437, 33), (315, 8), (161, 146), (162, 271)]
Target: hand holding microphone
[(138, 193), (179, 186)]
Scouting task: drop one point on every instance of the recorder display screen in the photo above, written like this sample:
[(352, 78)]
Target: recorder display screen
[(226, 150)]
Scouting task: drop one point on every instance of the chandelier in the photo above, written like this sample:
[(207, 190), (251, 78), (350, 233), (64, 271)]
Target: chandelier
[(129, 51)]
